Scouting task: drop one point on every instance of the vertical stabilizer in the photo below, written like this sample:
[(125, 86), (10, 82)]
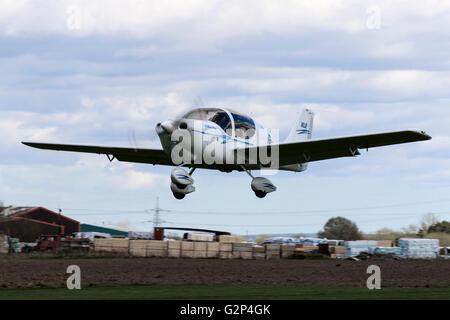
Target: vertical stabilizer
[(302, 130)]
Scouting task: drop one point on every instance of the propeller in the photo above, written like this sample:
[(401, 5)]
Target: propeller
[(198, 102)]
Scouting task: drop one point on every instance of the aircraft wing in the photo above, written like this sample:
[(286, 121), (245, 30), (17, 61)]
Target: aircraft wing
[(323, 149), (152, 156)]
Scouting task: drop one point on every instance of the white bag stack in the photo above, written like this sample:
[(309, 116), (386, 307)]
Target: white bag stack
[(354, 248), (419, 248)]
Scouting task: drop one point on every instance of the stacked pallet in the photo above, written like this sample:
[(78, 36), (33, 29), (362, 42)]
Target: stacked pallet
[(14, 245), (138, 248), (174, 249), (259, 253), (287, 250), (200, 249), (120, 245), (337, 252), (200, 237), (212, 249), (354, 248), (225, 250), (384, 243), (156, 248), (305, 248), (387, 251), (272, 251), (192, 249), (242, 250), (228, 239), (419, 248), (102, 245), (187, 249), (3, 243)]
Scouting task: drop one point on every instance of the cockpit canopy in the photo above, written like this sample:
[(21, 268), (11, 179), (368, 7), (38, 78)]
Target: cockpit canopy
[(244, 126)]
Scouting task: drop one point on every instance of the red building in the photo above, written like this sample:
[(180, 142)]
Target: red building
[(28, 223)]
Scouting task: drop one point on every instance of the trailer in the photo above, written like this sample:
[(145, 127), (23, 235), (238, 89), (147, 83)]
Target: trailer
[(58, 243)]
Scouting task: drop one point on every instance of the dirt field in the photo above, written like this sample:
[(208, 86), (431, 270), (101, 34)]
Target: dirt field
[(29, 273)]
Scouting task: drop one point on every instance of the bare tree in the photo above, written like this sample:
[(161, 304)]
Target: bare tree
[(411, 229), (427, 221)]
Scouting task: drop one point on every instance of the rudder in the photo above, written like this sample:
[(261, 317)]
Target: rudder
[(302, 130)]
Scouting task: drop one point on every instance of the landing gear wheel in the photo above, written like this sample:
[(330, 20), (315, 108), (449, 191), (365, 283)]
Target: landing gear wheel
[(260, 194), (179, 196)]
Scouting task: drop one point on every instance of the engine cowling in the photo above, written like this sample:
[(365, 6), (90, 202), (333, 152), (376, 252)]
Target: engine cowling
[(262, 186)]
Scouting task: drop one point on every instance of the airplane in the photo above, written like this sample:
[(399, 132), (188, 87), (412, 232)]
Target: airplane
[(227, 140)]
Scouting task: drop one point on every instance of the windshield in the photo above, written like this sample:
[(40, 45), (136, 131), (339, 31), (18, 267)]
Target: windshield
[(244, 125), (217, 116)]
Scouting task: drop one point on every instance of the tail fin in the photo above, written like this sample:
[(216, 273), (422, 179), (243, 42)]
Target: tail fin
[(302, 129)]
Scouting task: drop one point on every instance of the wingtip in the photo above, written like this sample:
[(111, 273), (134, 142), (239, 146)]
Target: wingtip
[(425, 135), (29, 144)]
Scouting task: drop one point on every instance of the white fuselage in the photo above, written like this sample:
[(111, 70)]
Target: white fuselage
[(213, 141)]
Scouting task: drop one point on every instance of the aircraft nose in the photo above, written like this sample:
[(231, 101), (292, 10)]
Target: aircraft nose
[(168, 126)]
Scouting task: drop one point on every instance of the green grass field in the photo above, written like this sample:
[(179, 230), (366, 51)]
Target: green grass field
[(223, 292)]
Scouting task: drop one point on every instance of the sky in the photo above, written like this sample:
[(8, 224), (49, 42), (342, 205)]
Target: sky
[(105, 72)]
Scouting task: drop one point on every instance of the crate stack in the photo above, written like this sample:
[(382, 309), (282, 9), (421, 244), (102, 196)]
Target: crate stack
[(200, 249), (419, 248), (102, 245), (14, 245), (259, 253), (388, 251), (272, 251), (305, 248), (200, 237), (3, 243), (287, 251), (156, 248), (174, 249), (225, 250), (337, 252), (384, 243), (228, 239), (212, 249), (354, 248), (242, 250), (187, 249), (120, 245), (138, 248)]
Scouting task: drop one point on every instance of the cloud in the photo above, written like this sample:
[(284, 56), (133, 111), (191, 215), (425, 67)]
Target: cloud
[(13, 131), (135, 180)]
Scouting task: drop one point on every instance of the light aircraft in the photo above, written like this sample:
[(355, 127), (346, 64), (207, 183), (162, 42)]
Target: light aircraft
[(227, 140)]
